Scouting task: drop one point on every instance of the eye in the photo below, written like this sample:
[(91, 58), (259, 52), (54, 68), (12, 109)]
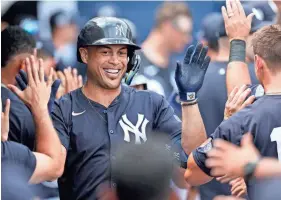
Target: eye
[(123, 53), (105, 53)]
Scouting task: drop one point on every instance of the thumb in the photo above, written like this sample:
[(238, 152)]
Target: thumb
[(15, 90), (247, 140), (250, 17)]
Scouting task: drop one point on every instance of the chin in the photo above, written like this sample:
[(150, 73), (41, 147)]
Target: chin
[(112, 85)]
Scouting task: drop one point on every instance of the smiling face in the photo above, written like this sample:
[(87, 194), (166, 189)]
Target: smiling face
[(106, 64)]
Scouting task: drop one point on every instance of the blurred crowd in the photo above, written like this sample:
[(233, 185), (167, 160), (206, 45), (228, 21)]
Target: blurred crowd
[(49, 30)]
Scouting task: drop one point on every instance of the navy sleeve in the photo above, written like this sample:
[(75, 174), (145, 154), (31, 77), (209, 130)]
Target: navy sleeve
[(60, 122), (15, 154), (22, 128), (165, 121), (230, 130)]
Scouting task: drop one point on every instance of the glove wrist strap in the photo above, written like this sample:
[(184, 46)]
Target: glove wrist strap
[(189, 103), (187, 96), (237, 51)]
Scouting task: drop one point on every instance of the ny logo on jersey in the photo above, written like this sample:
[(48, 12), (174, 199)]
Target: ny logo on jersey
[(127, 127)]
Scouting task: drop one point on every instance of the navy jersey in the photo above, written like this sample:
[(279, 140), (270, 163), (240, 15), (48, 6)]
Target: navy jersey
[(262, 119), (15, 154), (22, 129), (91, 133)]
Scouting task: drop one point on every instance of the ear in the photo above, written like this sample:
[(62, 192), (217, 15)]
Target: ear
[(259, 62), (84, 55)]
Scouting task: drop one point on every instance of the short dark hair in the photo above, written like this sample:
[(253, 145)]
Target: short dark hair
[(267, 44), (143, 171), (169, 11), (15, 41)]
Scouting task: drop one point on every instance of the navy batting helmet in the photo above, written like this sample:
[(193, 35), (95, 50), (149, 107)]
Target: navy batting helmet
[(105, 31)]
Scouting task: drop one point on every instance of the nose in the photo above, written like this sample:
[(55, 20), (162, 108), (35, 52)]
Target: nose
[(114, 60)]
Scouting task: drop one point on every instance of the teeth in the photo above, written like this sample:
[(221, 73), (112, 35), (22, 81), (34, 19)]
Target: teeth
[(112, 71)]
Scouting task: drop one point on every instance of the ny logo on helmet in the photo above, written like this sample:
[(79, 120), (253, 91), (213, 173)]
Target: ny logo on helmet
[(120, 31), (127, 127)]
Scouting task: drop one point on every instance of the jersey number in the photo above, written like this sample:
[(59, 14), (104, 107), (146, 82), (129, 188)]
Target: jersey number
[(275, 136)]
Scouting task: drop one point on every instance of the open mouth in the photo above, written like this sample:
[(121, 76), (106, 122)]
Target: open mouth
[(112, 71)]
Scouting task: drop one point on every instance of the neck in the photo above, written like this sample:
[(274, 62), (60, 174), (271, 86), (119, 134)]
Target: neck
[(223, 55), (273, 85), (156, 50), (100, 95)]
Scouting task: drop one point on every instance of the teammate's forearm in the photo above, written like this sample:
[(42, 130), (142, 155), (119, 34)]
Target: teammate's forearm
[(47, 140), (268, 167), (193, 129), (237, 74)]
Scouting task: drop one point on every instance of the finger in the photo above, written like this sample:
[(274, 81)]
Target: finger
[(188, 54), (34, 69), (41, 70), (80, 81), (247, 139), (234, 6), (242, 97), (242, 193), (223, 145), (217, 172), (7, 108), (178, 70), (240, 8), (229, 8), (35, 52), (249, 101), (196, 53), (23, 76), (202, 55), (75, 77), (16, 90), (224, 14), (214, 162), (216, 153), (250, 18), (235, 182), (232, 94), (241, 89), (237, 190), (206, 63), (61, 77), (29, 72), (20, 82), (50, 77)]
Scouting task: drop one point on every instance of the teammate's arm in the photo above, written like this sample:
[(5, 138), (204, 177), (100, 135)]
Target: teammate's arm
[(48, 146), (237, 26), (189, 78), (198, 172), (224, 154)]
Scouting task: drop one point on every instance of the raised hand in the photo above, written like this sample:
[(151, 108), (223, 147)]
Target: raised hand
[(36, 95), (237, 24), (190, 74), (70, 80), (237, 100)]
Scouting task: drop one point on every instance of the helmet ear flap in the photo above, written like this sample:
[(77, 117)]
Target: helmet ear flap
[(131, 62)]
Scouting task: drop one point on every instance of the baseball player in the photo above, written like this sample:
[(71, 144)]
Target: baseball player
[(262, 118), (94, 120)]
